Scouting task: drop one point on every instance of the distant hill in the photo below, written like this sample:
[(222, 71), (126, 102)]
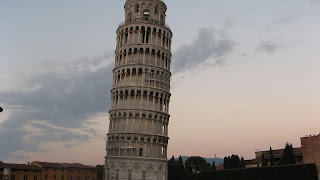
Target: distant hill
[(217, 161)]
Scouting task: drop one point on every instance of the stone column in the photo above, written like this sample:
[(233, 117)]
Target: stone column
[(108, 174), (143, 175), (125, 77), (117, 174), (144, 57), (156, 59), (129, 174), (145, 36), (129, 97), (153, 102), (139, 39), (143, 76), (151, 35), (155, 174), (128, 40), (127, 53), (141, 100), (161, 40)]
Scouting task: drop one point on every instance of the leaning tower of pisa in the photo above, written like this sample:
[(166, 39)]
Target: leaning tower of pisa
[(138, 132)]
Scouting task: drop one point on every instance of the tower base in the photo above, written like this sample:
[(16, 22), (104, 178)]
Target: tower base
[(128, 168)]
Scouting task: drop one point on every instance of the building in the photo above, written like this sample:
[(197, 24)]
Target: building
[(137, 141), (77, 171), (277, 155), (55, 171), (47, 171), (19, 172), (311, 150), (220, 167)]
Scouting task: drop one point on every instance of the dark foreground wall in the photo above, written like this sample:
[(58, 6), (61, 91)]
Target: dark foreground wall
[(291, 172)]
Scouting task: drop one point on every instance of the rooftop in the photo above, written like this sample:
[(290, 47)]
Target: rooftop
[(77, 165), (277, 154), (49, 164), (20, 166)]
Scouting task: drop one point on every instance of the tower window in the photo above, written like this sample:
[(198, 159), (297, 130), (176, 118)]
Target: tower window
[(146, 15), (140, 152), (137, 8), (130, 17), (156, 10)]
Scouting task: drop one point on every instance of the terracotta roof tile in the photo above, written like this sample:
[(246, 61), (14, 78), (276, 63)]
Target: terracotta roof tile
[(277, 154), (78, 165), (50, 165), (254, 161), (20, 166)]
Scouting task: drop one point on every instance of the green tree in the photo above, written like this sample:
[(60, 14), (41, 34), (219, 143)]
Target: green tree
[(213, 168), (180, 169), (242, 163), (100, 171), (197, 164), (288, 156), (272, 163), (227, 163), (172, 169), (263, 161)]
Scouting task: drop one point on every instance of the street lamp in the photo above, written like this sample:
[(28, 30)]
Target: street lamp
[(1, 109)]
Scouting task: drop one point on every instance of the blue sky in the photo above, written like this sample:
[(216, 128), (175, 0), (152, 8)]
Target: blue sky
[(246, 76)]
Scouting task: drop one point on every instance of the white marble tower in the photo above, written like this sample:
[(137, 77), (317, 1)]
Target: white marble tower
[(138, 132)]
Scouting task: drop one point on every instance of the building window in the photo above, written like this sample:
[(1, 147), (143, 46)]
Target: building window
[(46, 176), (25, 177), (62, 177), (140, 152), (78, 177), (55, 169), (71, 170), (54, 176), (35, 177), (62, 170), (92, 177), (0, 176), (13, 177), (46, 169)]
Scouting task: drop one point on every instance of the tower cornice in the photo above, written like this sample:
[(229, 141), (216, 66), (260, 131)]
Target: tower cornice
[(154, 1)]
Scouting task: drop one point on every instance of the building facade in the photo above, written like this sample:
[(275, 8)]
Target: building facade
[(77, 171), (55, 171), (19, 172), (137, 141), (47, 171)]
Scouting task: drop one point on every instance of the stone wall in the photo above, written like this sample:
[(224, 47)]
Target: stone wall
[(289, 172), (311, 150)]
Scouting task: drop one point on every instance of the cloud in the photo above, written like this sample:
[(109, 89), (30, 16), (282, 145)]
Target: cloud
[(56, 106), (270, 46), (210, 44), (314, 2), (58, 109), (282, 21)]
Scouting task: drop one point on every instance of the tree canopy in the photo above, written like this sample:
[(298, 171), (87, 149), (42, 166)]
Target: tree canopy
[(288, 156), (272, 163)]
